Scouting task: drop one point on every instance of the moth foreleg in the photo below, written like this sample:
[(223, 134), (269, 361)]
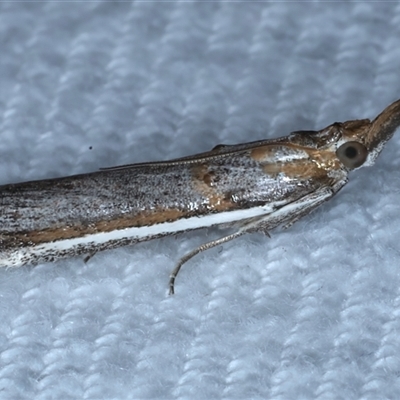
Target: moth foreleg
[(288, 214), (198, 250), (307, 204), (285, 215)]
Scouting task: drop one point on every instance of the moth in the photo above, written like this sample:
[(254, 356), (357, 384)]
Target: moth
[(250, 187)]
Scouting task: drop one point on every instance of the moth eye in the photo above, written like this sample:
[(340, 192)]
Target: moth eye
[(352, 154)]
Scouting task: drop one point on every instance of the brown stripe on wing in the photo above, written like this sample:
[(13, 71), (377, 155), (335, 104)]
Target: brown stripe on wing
[(298, 169), (142, 219)]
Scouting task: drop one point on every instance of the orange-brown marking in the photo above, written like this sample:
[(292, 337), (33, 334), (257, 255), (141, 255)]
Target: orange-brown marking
[(298, 169), (325, 159), (204, 183), (317, 164)]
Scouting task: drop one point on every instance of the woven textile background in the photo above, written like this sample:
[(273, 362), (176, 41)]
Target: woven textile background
[(313, 313)]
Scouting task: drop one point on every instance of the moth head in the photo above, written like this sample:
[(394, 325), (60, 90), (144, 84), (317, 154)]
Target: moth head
[(361, 141)]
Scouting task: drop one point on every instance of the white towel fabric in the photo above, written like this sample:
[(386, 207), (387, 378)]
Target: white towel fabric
[(312, 313)]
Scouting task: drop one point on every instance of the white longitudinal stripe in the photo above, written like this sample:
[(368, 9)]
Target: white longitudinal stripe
[(19, 256), (16, 256)]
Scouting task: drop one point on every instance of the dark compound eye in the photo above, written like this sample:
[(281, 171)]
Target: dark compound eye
[(352, 154)]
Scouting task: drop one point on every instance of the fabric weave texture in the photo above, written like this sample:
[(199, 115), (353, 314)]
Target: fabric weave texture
[(313, 312)]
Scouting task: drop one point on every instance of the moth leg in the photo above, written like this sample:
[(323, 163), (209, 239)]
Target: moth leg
[(89, 256), (198, 250), (284, 217), (281, 216), (315, 200)]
